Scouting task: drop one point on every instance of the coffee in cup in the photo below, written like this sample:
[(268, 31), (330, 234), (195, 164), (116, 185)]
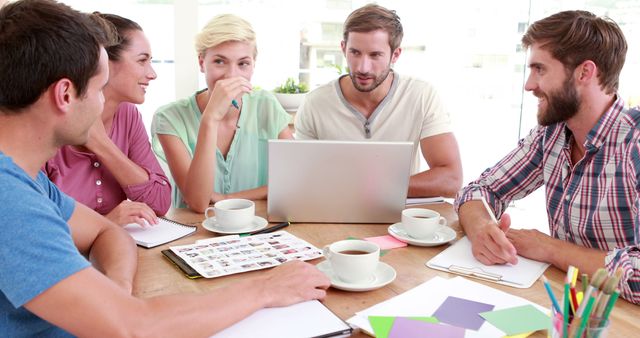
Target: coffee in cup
[(232, 213), (421, 223), (353, 261)]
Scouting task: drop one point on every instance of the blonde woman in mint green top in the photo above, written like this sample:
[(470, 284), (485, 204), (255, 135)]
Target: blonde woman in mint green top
[(215, 141), (245, 166)]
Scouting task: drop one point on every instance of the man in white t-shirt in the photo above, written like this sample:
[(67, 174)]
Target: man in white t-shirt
[(375, 103)]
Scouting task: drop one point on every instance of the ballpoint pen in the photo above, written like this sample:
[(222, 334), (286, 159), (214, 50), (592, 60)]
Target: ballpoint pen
[(486, 206), (235, 104), (268, 230)]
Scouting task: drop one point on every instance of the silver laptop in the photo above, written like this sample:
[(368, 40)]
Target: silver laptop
[(338, 181)]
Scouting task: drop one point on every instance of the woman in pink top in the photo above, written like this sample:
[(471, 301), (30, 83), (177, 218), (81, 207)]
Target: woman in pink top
[(115, 172)]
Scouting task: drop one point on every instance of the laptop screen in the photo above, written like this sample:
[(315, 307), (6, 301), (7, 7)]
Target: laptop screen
[(338, 181)]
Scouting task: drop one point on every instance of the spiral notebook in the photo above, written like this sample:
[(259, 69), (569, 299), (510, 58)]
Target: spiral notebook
[(164, 232)]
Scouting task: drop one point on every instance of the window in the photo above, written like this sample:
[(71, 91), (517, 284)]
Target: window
[(522, 27), (469, 50)]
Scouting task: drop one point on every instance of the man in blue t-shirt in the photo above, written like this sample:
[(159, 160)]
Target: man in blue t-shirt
[(53, 67), (52, 70)]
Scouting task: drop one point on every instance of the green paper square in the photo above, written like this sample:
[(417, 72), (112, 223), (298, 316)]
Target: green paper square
[(382, 325), (517, 320)]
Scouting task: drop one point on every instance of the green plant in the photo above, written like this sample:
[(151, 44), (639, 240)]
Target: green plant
[(291, 86), (340, 70)]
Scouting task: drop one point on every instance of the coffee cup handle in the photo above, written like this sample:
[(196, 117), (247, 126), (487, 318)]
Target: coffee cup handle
[(326, 251), (206, 212), (442, 221)]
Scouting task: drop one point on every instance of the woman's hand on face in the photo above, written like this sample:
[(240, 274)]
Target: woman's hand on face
[(97, 135), (223, 93)]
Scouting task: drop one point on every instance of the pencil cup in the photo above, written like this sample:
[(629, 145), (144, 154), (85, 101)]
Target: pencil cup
[(595, 328), (555, 331)]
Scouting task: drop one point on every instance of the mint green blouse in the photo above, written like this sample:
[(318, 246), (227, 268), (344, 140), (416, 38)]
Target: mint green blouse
[(262, 118)]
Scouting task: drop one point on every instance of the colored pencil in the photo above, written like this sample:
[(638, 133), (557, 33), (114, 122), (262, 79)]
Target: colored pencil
[(554, 301), (565, 319)]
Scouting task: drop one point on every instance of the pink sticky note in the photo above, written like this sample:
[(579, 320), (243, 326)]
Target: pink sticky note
[(386, 242)]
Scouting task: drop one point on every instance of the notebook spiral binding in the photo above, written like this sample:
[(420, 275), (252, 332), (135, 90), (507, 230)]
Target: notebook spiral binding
[(178, 223)]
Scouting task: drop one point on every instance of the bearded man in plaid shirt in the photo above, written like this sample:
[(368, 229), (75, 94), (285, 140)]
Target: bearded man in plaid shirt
[(585, 152)]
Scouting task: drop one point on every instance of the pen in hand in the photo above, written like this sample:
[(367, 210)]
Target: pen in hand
[(489, 211), (235, 104), (269, 229)]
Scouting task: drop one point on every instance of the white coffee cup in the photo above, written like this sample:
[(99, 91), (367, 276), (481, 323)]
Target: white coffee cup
[(421, 223), (353, 261), (232, 213)]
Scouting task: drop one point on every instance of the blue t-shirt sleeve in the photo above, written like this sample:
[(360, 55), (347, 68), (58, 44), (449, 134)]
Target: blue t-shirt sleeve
[(36, 246), (65, 203)]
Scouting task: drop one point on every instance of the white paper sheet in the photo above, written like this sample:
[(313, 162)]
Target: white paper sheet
[(308, 319), (426, 298)]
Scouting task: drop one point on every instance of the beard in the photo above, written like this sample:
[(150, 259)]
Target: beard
[(376, 82), (562, 104)]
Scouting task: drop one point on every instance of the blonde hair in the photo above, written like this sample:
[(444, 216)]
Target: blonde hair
[(224, 28)]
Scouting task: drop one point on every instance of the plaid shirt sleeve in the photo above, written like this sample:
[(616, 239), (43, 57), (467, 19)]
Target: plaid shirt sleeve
[(627, 259), (514, 177)]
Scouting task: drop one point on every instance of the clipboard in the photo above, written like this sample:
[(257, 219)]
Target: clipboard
[(188, 271), (458, 259)]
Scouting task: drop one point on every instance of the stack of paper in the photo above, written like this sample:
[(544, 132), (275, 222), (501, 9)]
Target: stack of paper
[(458, 304)]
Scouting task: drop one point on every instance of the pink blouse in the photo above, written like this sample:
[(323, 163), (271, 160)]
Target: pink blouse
[(82, 176)]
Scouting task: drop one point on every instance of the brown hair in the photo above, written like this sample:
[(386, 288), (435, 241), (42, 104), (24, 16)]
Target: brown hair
[(573, 37), (372, 17), (121, 28), (41, 42)]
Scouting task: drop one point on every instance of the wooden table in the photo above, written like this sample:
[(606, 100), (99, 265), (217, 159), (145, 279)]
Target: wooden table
[(156, 276)]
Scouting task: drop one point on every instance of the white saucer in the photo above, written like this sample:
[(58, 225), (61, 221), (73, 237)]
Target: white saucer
[(257, 224), (443, 235), (384, 275)]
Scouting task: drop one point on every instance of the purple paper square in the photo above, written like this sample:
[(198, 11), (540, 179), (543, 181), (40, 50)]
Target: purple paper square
[(462, 312), (410, 328)]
